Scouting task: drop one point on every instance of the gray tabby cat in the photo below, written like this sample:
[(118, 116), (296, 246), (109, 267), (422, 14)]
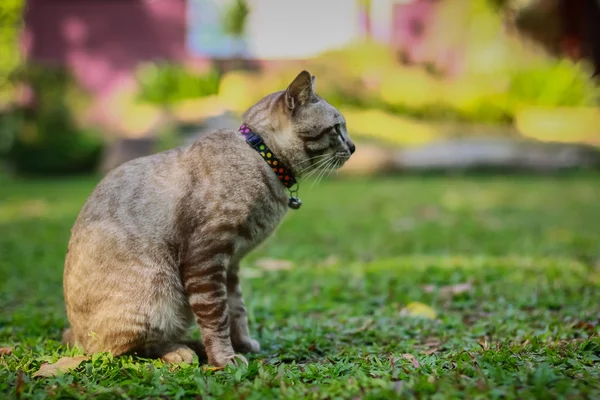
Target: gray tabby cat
[(159, 241)]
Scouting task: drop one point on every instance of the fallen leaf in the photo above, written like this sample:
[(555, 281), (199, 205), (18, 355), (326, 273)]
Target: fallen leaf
[(586, 326), (450, 289), (366, 325), (412, 359), (471, 319), (62, 365), (430, 351), (5, 351), (484, 344), (270, 264), (416, 309), (431, 345), (432, 342), (482, 385)]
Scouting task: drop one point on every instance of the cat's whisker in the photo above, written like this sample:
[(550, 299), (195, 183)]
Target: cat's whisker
[(322, 163), (313, 172), (310, 167), (313, 158), (315, 167), (334, 167), (317, 163), (324, 170), (316, 179)]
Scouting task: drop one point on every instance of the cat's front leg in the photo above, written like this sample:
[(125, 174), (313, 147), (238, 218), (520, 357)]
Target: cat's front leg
[(206, 288), (238, 317)]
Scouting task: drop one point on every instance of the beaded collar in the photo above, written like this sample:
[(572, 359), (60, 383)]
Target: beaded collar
[(286, 177)]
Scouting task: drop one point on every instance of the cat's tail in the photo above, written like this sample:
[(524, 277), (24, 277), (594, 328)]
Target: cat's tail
[(67, 337)]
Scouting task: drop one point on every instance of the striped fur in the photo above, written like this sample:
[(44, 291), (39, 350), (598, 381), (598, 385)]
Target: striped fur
[(159, 241)]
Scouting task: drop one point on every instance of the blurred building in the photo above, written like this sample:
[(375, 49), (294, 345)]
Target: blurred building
[(103, 42)]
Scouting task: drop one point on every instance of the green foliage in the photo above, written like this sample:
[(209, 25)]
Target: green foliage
[(350, 76), (500, 71), (332, 327), (165, 84), (47, 139), (9, 125), (235, 18), (11, 21), (365, 75), (560, 83), (167, 138)]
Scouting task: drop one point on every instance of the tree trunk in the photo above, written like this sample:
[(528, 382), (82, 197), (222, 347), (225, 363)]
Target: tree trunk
[(593, 33)]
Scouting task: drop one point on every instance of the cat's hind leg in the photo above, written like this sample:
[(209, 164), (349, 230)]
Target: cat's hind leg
[(198, 348)]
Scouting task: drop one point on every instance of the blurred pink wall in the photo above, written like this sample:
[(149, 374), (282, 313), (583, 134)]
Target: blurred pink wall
[(412, 23), (104, 40)]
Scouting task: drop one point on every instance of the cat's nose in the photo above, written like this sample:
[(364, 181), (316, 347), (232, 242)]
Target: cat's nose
[(352, 148)]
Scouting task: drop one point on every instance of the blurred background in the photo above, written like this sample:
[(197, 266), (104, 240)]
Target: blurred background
[(443, 98), (424, 84)]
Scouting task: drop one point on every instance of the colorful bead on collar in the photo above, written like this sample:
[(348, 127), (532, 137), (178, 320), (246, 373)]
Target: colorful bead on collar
[(253, 139)]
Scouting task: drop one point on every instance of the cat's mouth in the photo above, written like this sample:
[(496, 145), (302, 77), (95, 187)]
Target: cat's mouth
[(337, 160), (341, 157)]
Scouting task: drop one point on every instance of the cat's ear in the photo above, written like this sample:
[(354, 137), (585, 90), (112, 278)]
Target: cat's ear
[(300, 90)]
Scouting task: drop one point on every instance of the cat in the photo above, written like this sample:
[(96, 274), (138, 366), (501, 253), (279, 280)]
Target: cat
[(159, 241)]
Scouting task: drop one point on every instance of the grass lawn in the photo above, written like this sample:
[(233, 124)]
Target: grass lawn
[(511, 266)]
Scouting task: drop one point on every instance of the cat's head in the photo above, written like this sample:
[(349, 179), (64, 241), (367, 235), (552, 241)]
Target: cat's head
[(303, 130)]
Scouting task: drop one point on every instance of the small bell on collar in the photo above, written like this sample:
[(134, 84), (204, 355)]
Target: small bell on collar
[(294, 203)]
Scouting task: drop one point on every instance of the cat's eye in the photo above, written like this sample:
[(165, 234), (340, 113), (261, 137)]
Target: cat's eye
[(330, 130)]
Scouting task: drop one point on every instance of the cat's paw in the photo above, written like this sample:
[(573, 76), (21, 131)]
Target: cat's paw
[(237, 359), (178, 355), (247, 345)]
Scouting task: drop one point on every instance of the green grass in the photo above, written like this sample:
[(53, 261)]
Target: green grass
[(331, 327)]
